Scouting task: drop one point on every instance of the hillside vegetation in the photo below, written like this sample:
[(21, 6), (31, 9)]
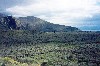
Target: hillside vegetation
[(49, 48), (23, 36), (50, 54)]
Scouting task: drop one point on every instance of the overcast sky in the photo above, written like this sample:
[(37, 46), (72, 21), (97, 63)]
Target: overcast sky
[(84, 14)]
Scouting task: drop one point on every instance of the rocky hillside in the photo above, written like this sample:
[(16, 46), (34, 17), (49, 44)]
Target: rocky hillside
[(7, 23), (32, 23)]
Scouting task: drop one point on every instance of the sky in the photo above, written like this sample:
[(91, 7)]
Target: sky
[(84, 14)]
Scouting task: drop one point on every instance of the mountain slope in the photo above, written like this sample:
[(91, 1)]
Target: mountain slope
[(34, 23), (7, 23)]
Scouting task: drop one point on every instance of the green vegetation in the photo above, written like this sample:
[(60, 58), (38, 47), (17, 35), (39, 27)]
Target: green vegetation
[(29, 48), (23, 36), (53, 54)]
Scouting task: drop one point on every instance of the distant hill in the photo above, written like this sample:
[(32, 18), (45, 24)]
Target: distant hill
[(32, 23)]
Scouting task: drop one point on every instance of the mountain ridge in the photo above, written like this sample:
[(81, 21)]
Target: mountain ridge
[(33, 23)]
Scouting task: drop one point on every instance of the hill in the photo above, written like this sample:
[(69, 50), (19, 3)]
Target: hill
[(32, 23)]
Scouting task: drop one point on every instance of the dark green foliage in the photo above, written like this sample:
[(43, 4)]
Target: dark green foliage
[(89, 54), (66, 48), (23, 36), (44, 64), (42, 53), (54, 54)]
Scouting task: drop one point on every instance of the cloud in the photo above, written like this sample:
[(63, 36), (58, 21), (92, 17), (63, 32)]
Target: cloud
[(67, 12), (68, 8)]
